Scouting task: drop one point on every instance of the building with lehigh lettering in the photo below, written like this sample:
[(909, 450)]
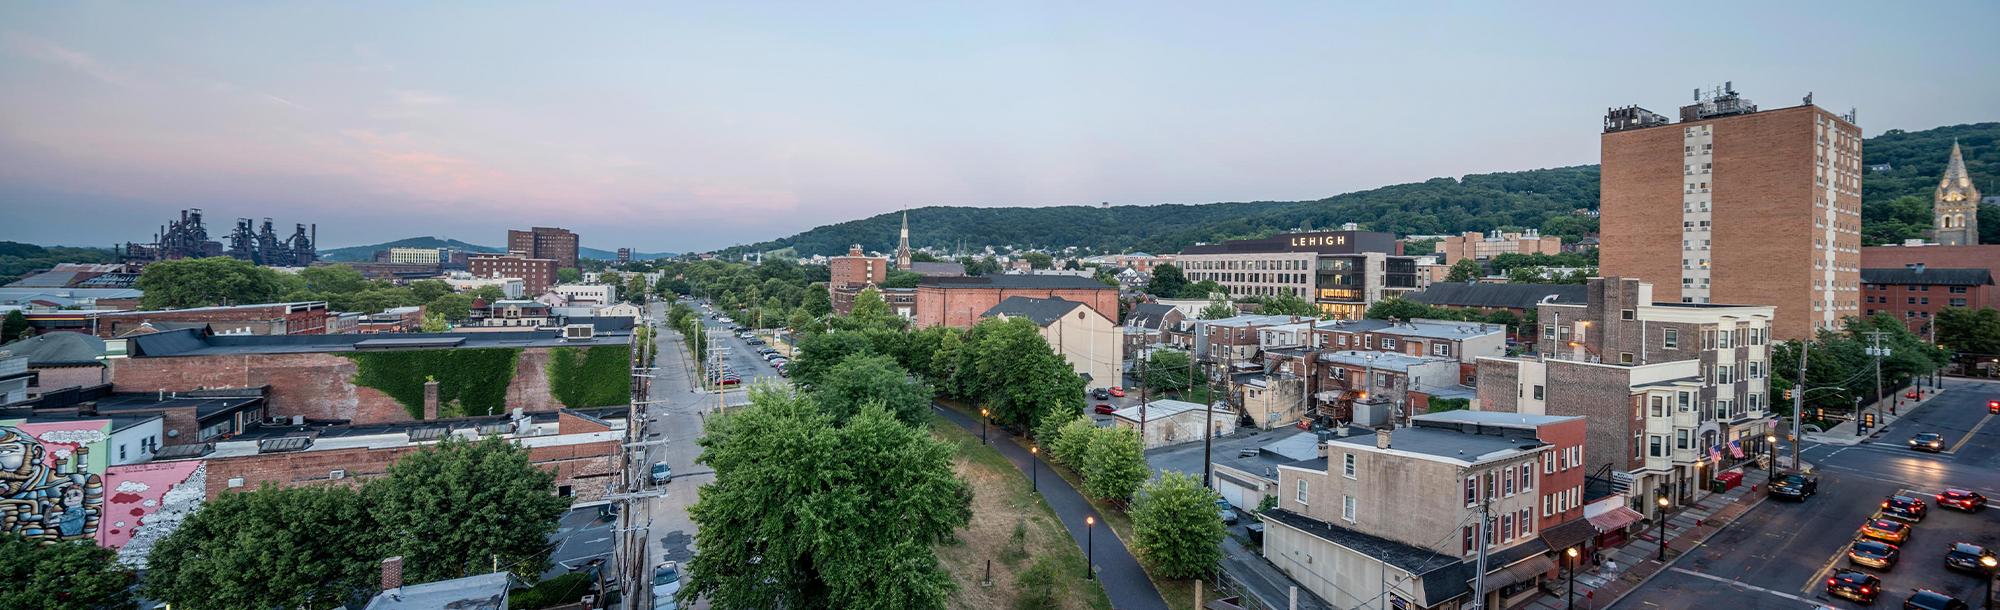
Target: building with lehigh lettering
[(1733, 204), (1341, 272)]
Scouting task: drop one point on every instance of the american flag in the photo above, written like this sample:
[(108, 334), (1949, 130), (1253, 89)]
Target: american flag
[(1736, 449), (1715, 452)]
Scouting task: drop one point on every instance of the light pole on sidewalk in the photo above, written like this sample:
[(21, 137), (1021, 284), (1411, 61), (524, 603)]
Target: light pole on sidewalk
[(1090, 547), (1990, 564), (1572, 576), (984, 417), (1035, 451), (1664, 502), (1771, 441)]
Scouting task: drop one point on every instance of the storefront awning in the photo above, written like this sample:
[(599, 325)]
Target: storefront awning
[(1616, 519), (1519, 572)]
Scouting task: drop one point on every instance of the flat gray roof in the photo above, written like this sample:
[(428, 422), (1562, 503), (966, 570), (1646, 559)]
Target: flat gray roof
[(1445, 443)]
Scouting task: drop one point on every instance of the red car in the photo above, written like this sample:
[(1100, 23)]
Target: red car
[(1105, 409), (1118, 392), (1965, 500)]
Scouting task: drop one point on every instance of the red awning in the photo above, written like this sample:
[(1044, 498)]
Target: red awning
[(1616, 520)]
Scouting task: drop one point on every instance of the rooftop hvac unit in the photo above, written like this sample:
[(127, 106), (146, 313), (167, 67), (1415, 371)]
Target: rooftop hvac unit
[(579, 332)]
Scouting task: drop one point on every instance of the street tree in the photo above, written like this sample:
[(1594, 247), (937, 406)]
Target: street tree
[(635, 288), (1465, 270), (568, 275), (1217, 309), (804, 513), (1167, 281), (1178, 528), (1969, 331), (72, 575), (426, 291), (816, 301), (454, 508), (435, 323), (1398, 308), (862, 380), (870, 311), (1070, 441), (203, 282), (15, 327), (1205, 289), (454, 307), (1039, 260), (816, 354), (303, 547), (1169, 369), (1114, 464), (1287, 305), (1017, 375)]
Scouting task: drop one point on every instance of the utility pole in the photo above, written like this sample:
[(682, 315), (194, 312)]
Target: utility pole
[(1479, 538), (1799, 404), (1878, 352)]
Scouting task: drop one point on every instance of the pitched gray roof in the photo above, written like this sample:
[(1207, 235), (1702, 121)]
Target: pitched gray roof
[(1511, 296), (1927, 277), (59, 348), (938, 269), (1148, 315), (1042, 311)]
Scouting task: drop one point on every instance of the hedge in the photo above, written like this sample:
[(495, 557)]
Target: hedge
[(470, 381), (591, 377)]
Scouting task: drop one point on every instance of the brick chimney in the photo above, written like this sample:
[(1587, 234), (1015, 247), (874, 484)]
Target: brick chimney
[(392, 572), (430, 399), (1382, 439)]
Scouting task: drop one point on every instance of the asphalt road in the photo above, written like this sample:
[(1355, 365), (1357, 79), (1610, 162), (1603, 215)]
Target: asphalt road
[(1778, 554)]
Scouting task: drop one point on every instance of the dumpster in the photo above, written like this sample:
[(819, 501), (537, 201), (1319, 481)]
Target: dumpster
[(1729, 480)]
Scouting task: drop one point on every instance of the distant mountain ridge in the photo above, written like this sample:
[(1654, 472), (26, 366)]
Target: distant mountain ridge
[(357, 254), (1895, 206)]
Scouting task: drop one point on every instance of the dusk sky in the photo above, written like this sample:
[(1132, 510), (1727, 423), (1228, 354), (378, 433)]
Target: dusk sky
[(694, 126)]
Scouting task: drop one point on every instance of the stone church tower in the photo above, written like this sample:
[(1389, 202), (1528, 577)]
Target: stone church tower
[(903, 244), (1956, 204)]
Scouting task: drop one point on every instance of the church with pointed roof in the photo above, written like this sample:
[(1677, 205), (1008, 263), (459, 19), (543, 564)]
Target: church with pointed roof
[(1956, 204)]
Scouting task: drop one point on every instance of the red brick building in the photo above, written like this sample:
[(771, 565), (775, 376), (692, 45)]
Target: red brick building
[(1915, 294), (1561, 472), (1736, 205), (958, 301), (1933, 257), (536, 274), (557, 244), (299, 318)]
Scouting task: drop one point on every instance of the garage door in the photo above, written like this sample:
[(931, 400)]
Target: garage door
[(1232, 493)]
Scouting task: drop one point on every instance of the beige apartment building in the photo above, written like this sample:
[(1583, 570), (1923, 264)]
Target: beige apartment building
[(1736, 205), (1476, 246), (1340, 272), (1092, 343)]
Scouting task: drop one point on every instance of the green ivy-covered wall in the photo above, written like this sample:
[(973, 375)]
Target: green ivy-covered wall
[(470, 381), (591, 377)]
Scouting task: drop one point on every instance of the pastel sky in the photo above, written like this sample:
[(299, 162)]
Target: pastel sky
[(695, 125)]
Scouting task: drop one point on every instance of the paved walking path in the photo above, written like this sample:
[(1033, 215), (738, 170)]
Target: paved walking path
[(1124, 581), (1636, 562)]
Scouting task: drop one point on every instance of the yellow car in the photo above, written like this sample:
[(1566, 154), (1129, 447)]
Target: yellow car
[(1886, 530)]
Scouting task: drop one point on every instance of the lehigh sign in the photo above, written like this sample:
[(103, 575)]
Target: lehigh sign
[(1309, 241)]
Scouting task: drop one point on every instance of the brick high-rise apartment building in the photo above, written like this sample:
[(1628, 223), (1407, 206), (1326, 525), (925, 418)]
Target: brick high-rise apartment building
[(545, 242), (1765, 208)]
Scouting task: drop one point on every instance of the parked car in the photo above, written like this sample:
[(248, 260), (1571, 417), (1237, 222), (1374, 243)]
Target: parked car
[(662, 473), (1874, 554), (1927, 441), (1117, 391), (1228, 512), (1926, 599), (666, 583), (1106, 409), (1101, 394), (1855, 585), (1962, 499), (1965, 556), (1794, 486), (1905, 508), (1886, 530)]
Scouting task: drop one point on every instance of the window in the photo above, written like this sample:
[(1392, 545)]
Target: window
[(1659, 403), (1507, 483), (1624, 357), (1340, 340), (1507, 526), (1549, 463), (1548, 505), (121, 452), (1637, 446), (1527, 477), (1388, 343), (1471, 490), (1489, 526), (1465, 539), (1538, 392), (1655, 441), (1492, 487), (1347, 508), (1347, 465), (1681, 439), (1526, 518), (1444, 349), (1302, 492), (1957, 302)]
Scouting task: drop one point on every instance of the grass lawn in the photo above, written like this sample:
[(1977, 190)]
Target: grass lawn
[(1016, 532)]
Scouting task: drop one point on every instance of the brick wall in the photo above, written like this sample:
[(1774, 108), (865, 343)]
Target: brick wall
[(59, 377), (1499, 381), (586, 468), (1563, 435), (960, 306), (1934, 257), (317, 386), (1602, 395)]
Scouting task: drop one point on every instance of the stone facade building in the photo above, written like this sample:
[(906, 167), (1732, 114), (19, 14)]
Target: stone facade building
[(1956, 204)]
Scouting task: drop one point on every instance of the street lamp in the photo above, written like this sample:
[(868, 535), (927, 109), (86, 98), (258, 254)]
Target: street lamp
[(1771, 441), (1989, 563), (1572, 576), (1036, 466), (1663, 527), (1090, 547), (984, 417)]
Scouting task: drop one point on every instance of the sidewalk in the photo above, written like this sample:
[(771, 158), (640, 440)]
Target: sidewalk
[(1844, 433), (1602, 586), (1258, 578)]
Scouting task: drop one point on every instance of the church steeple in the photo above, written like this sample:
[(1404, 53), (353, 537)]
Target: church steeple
[(1956, 204), (903, 244)]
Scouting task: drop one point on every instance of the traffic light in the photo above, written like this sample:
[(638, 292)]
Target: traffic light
[(1868, 420), (1788, 394)]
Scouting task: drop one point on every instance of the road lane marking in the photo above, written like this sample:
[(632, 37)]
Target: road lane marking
[(1969, 433), (1739, 584)]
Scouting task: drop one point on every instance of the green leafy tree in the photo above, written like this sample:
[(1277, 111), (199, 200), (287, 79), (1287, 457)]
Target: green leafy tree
[(1969, 331), (489, 293), (1039, 260), (818, 353), (1168, 369), (453, 508), (1114, 464), (203, 282), (865, 379), (1420, 247), (1287, 305), (303, 547), (15, 327), (1399, 308), (454, 307), (1071, 441), (816, 302), (871, 311), (1177, 526), (568, 276), (435, 323), (336, 279), (1013, 370), (426, 291), (807, 514), (1465, 270), (74, 575), (902, 279), (799, 321), (1168, 281), (635, 288), (1216, 310)]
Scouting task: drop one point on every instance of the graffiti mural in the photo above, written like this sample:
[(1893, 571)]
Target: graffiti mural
[(52, 479), (149, 501)]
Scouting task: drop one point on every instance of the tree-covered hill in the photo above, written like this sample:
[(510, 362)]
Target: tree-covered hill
[(1542, 198), (19, 259)]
